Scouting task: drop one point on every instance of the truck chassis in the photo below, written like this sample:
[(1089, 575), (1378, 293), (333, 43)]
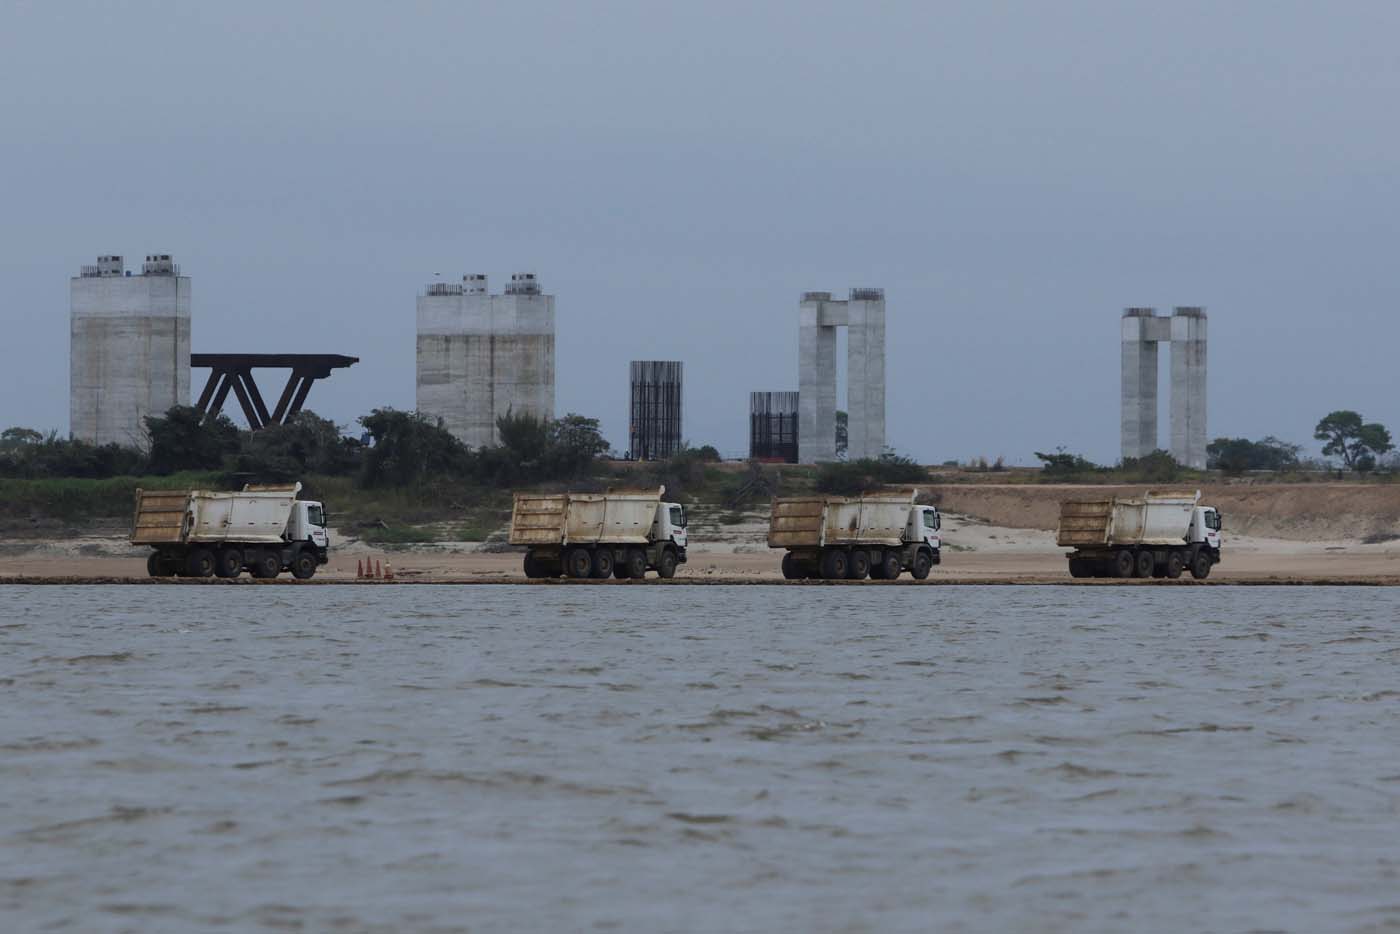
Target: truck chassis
[(1158, 561), (857, 562), (229, 559), (624, 562)]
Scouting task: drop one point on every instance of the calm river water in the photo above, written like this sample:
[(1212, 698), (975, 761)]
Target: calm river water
[(699, 758)]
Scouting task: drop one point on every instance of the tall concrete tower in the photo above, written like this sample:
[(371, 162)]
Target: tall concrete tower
[(1185, 330), (863, 315), (129, 348), (481, 355)]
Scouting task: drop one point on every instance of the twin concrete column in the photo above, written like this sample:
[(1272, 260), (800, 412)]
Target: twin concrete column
[(1143, 330), (863, 315)]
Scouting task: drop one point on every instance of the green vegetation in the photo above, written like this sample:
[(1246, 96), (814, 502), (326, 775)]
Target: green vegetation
[(1234, 456), (77, 499), (1063, 465), (867, 474)]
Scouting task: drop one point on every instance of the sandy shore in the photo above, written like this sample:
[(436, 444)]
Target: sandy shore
[(974, 552)]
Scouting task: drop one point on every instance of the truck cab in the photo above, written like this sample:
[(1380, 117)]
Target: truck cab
[(924, 527), (1205, 529), (307, 523), (670, 526)]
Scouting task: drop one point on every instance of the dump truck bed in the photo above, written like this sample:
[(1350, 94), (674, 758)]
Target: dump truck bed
[(170, 517), (815, 521), (1157, 518), (613, 518)]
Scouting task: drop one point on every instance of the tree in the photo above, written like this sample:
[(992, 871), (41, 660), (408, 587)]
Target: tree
[(182, 439), (26, 453), (1236, 455), (1355, 440), (1157, 467), (843, 433), (13, 438), (1063, 464), (408, 447), (305, 444), (576, 443)]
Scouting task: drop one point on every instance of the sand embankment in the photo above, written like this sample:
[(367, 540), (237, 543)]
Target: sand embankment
[(1300, 512)]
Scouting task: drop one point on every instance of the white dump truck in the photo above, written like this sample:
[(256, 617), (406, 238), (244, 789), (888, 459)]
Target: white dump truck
[(1158, 534), (878, 535), (265, 529), (620, 533)]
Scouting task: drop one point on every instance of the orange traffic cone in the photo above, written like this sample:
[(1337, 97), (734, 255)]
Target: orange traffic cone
[(359, 568), (378, 572)]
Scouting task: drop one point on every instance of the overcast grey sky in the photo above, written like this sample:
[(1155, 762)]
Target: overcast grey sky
[(1012, 174)]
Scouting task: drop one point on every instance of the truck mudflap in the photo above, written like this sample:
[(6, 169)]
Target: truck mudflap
[(938, 556), (680, 556)]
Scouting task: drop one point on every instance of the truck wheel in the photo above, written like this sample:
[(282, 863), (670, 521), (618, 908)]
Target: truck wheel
[(531, 569), (304, 565), (265, 565), (834, 565), (603, 563), (1175, 565), (890, 566), (923, 563), (636, 564), (228, 563), (858, 565), (1078, 567), (1200, 566), (791, 572), (579, 563), (200, 563), (1123, 563), (155, 565), (667, 567), (1144, 564)]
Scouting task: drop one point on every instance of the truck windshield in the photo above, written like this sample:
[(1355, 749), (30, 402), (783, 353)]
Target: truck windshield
[(677, 517), (314, 515), (931, 519), (1213, 520)]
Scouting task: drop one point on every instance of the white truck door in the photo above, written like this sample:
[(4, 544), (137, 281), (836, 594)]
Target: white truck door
[(932, 523), (671, 518)]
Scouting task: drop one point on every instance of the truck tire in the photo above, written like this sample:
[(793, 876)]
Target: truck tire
[(228, 563), (890, 565), (603, 563), (636, 564), (155, 565), (1143, 564), (304, 565), (923, 563), (1200, 565), (1124, 563), (531, 567), (1175, 565), (1079, 568), (667, 567), (578, 563), (834, 565), (858, 566), (200, 563), (790, 570), (264, 565)]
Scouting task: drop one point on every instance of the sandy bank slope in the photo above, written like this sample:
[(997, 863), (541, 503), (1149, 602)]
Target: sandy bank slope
[(1304, 512)]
